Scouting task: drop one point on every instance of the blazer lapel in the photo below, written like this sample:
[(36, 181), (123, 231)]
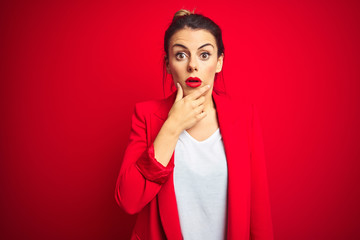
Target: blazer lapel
[(232, 124)]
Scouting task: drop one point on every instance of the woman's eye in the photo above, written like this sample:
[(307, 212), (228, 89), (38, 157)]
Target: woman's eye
[(205, 55), (180, 56)]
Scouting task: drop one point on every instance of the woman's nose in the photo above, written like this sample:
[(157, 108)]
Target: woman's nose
[(192, 65)]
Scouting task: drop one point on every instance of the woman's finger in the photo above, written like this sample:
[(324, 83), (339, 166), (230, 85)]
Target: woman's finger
[(201, 115), (198, 93), (199, 109), (199, 101), (179, 94)]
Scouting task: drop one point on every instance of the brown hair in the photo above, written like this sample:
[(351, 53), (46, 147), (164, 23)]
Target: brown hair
[(184, 18)]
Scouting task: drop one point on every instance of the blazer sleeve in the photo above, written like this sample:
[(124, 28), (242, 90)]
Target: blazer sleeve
[(260, 215), (141, 175)]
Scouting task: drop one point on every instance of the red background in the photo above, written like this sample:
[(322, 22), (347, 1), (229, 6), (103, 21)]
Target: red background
[(71, 73)]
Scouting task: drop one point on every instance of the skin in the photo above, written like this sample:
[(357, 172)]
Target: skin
[(192, 53)]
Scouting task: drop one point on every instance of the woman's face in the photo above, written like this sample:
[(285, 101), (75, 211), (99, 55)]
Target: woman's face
[(193, 53)]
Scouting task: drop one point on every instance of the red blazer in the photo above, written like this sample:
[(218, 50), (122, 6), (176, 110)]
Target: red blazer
[(146, 187)]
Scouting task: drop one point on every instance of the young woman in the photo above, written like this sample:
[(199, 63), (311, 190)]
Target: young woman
[(194, 167)]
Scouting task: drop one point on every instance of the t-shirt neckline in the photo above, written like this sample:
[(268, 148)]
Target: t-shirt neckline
[(203, 141)]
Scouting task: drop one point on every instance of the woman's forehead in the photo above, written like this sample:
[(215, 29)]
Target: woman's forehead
[(192, 38)]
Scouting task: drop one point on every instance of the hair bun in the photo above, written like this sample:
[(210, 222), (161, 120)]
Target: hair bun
[(182, 13)]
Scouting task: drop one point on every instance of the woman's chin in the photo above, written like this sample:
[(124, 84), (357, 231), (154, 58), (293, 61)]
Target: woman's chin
[(189, 90)]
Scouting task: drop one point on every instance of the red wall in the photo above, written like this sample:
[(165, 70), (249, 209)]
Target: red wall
[(71, 73)]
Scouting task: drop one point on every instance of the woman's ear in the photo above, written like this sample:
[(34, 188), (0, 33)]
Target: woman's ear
[(220, 62), (166, 60)]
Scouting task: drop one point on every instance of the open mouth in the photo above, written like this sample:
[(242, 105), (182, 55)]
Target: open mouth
[(193, 82)]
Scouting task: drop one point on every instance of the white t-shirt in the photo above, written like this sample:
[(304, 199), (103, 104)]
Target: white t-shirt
[(200, 182)]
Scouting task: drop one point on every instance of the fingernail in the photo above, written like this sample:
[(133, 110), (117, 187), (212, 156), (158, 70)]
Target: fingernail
[(208, 86)]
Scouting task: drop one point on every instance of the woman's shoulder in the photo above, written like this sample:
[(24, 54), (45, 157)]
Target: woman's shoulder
[(237, 106), (149, 105)]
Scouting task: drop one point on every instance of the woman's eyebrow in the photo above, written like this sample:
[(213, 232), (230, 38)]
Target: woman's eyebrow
[(206, 44), (180, 45)]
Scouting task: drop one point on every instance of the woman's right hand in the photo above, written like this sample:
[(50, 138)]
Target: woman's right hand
[(187, 111)]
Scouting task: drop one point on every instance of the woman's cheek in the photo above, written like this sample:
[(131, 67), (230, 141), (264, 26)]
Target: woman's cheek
[(211, 71)]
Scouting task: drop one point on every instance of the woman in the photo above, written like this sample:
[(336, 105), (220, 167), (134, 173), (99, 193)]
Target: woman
[(194, 167)]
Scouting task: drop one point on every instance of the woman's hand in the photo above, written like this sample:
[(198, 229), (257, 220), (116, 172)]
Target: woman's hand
[(187, 111)]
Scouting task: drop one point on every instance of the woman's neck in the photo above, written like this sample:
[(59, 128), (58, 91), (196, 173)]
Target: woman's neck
[(209, 104)]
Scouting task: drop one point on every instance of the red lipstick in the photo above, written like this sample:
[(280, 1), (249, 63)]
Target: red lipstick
[(193, 82)]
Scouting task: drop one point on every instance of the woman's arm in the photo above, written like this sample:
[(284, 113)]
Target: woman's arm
[(260, 219), (145, 168), (134, 190)]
